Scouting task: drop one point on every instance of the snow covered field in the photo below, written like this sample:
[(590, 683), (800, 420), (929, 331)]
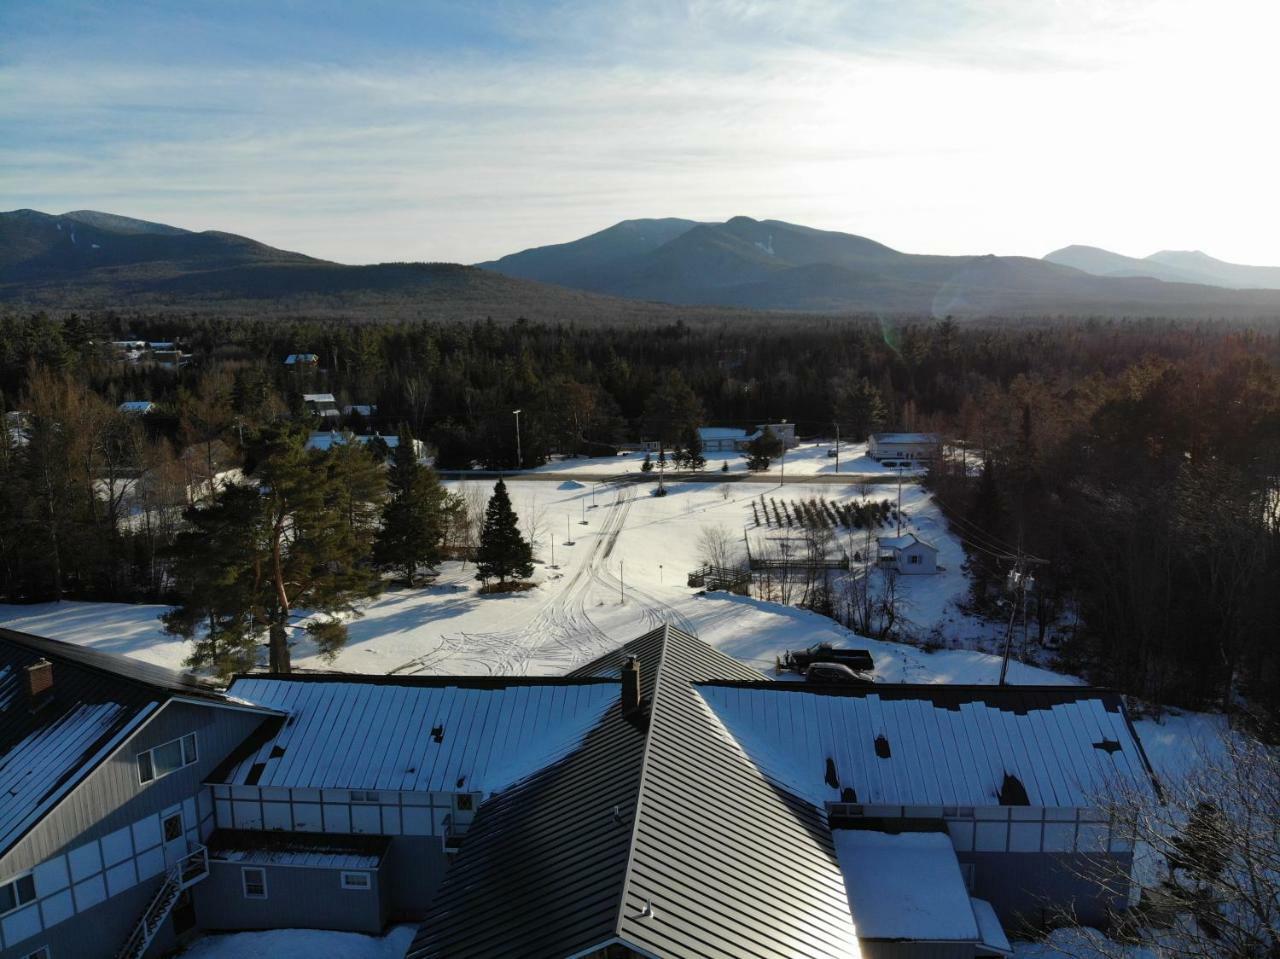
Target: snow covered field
[(624, 574)]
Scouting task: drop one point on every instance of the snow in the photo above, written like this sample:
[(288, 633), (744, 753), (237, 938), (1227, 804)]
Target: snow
[(576, 613), (905, 886), (303, 944), (1078, 943)]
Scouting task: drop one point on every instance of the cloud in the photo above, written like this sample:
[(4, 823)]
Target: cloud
[(428, 132)]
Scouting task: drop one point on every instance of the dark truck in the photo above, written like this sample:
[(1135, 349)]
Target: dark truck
[(799, 660)]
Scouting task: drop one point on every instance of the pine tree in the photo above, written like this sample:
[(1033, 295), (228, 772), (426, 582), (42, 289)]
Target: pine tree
[(216, 571), (647, 465), (689, 456), (762, 450), (414, 520), (503, 551)]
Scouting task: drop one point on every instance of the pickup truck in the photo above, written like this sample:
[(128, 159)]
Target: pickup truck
[(799, 660)]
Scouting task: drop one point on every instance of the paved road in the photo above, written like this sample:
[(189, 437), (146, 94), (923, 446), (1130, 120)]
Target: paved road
[(770, 479)]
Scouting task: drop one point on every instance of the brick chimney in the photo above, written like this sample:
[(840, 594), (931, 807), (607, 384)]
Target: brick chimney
[(39, 684), (630, 685)]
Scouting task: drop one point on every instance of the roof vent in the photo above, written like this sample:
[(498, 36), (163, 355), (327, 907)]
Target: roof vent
[(647, 911), (849, 795), (39, 684), (1108, 746), (1012, 792), (437, 733), (831, 779), (882, 747)]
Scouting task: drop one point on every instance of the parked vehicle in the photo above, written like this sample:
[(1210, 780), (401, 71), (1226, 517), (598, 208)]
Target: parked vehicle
[(799, 660), (833, 673)]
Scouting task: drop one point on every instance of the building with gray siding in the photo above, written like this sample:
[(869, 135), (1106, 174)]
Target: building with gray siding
[(662, 801)]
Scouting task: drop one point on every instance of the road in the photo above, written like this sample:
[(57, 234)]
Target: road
[(769, 479)]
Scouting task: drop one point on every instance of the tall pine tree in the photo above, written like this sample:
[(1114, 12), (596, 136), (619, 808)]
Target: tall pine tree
[(414, 520), (503, 551)]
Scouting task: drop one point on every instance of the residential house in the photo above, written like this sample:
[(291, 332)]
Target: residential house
[(724, 439), (908, 554), (322, 405), (326, 439), (662, 801), (904, 449), (299, 360), (137, 407)]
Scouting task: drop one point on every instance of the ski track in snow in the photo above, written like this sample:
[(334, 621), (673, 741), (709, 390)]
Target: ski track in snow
[(561, 634)]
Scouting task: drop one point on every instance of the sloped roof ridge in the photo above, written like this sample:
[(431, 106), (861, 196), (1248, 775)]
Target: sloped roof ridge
[(126, 669)]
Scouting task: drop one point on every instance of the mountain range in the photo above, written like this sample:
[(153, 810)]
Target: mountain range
[(1173, 266), (769, 264), (635, 269)]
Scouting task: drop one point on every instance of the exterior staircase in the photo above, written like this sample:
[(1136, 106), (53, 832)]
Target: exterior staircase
[(188, 871)]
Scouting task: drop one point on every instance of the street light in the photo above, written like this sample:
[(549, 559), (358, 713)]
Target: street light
[(519, 457)]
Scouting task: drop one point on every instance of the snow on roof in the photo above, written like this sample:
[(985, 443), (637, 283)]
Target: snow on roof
[(903, 541), (448, 734), (930, 438), (318, 398), (942, 745), (137, 406), (721, 433), (293, 849), (293, 358), (326, 439), (990, 932), (905, 886)]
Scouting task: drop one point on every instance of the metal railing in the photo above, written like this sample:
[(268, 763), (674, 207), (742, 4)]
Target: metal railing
[(185, 873)]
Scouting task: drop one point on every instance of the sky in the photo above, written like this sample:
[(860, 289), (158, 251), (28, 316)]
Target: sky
[(429, 130)]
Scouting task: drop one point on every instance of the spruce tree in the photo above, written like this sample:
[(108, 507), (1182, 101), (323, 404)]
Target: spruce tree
[(762, 450), (503, 551), (414, 520)]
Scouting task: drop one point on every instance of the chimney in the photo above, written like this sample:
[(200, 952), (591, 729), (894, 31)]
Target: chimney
[(630, 685), (39, 684)]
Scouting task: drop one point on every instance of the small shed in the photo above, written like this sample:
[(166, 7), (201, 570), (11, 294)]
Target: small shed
[(908, 554), (277, 880)]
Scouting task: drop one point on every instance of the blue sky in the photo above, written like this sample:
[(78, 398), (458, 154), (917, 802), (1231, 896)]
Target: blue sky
[(450, 131)]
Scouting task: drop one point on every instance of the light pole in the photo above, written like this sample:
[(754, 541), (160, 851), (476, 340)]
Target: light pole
[(899, 472), (519, 456), (837, 447)]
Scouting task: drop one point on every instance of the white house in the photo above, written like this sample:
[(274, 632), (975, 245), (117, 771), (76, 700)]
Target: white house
[(903, 449), (908, 554), (727, 439), (326, 440)]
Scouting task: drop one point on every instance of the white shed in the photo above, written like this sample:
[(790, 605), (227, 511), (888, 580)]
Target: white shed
[(909, 554)]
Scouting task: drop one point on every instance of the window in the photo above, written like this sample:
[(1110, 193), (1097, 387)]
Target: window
[(462, 802), (167, 758), (41, 953), (172, 827), (17, 892), (365, 796), (913, 558), (254, 881), (356, 880)]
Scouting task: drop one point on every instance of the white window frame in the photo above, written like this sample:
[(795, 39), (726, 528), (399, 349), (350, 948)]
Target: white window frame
[(44, 952), (244, 882), (19, 902), (359, 874), (190, 756)]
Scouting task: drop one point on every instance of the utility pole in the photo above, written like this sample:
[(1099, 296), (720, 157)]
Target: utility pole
[(519, 455), (584, 511), (1021, 576), (568, 532), (837, 447)]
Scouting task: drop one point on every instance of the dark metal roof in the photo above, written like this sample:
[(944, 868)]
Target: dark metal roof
[(663, 810), (98, 701), (298, 849)]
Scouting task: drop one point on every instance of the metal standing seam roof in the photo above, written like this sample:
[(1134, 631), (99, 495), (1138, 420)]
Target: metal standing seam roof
[(659, 813), (98, 701), (448, 734), (946, 745)]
